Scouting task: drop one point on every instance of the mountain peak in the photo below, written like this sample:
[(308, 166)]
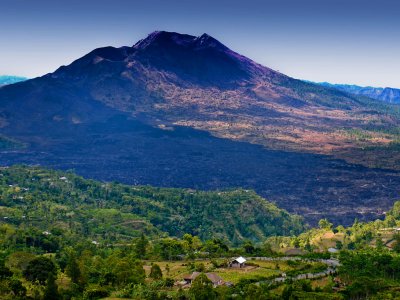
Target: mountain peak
[(161, 38), (207, 41), (197, 59), (200, 58), (166, 39)]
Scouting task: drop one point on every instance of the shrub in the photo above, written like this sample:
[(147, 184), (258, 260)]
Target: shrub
[(95, 292), (155, 272), (169, 282)]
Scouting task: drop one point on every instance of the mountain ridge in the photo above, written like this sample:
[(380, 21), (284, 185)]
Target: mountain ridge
[(387, 94), (8, 79)]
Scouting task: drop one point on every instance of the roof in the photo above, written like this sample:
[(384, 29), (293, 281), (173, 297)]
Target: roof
[(240, 259), (191, 276), (214, 277)]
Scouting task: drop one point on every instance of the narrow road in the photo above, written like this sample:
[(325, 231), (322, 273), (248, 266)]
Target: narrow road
[(332, 264)]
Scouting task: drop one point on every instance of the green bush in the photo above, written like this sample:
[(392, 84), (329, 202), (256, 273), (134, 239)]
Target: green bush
[(95, 292)]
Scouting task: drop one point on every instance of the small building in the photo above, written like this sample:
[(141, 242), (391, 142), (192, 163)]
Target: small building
[(333, 250), (214, 278), (239, 262)]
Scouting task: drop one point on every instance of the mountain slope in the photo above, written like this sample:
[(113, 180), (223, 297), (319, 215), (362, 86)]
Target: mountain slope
[(386, 94), (176, 79), (184, 111), (104, 212), (5, 79)]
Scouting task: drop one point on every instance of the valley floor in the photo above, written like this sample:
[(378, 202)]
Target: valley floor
[(314, 186)]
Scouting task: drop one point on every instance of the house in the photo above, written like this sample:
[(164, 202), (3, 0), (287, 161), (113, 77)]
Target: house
[(214, 278), (239, 262), (390, 244)]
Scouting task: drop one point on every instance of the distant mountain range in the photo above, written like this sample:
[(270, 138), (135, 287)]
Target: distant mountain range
[(5, 79), (387, 94), (183, 111)]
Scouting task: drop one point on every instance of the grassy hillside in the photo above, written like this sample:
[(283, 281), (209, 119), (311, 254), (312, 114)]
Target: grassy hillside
[(51, 200)]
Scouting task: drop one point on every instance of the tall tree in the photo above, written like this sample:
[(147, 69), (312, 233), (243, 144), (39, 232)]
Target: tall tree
[(141, 245), (325, 224), (38, 270), (72, 268), (51, 291)]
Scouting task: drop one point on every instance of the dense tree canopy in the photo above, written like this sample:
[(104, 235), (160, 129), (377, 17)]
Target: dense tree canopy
[(55, 201)]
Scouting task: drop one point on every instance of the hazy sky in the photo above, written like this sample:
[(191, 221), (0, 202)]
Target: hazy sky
[(340, 41)]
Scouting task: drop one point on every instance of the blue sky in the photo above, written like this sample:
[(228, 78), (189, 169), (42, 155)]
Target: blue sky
[(338, 41)]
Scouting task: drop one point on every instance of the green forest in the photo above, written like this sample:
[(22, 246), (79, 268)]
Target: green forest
[(66, 237)]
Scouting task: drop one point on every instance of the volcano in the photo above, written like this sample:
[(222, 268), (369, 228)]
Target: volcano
[(184, 111)]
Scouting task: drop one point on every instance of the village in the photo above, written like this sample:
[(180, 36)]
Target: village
[(267, 270)]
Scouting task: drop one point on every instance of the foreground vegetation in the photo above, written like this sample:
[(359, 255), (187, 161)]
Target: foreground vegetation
[(64, 237)]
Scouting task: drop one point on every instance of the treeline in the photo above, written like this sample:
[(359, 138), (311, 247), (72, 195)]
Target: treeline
[(361, 235), (370, 274)]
